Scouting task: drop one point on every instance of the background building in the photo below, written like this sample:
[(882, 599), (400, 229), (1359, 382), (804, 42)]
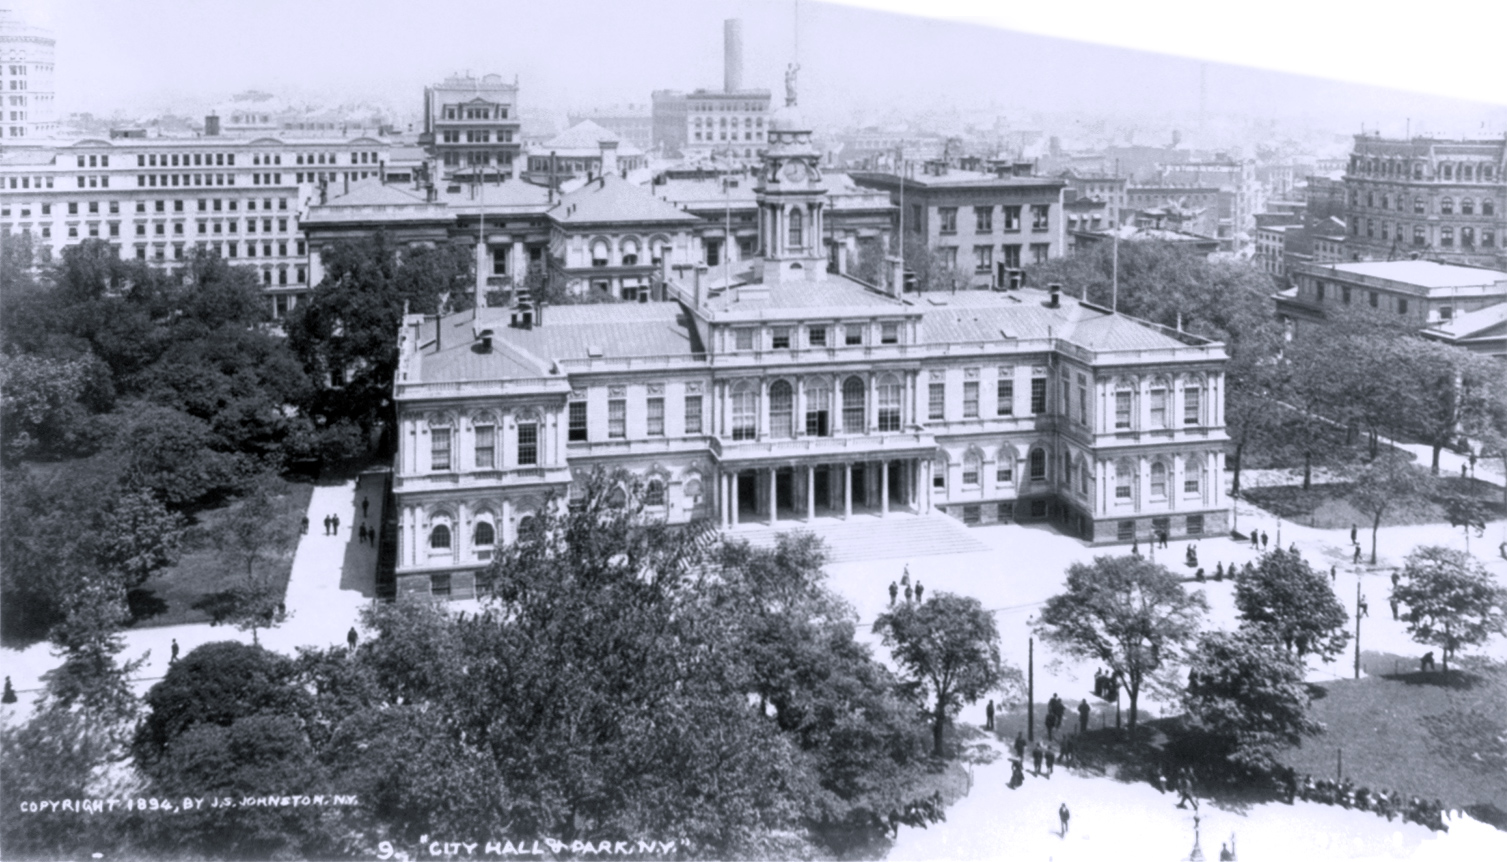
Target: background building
[(29, 110), (1422, 292), (634, 124), (728, 125), (1440, 199), (471, 126)]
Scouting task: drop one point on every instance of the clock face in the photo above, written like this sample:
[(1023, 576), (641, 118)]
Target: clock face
[(795, 172)]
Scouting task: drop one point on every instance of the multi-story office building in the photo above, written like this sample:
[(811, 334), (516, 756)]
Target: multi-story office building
[(584, 150), (634, 124), (1108, 190), (471, 126), (1422, 293), (728, 125), (789, 394), (979, 224), (28, 111), (1441, 199), (160, 199), (1241, 196)]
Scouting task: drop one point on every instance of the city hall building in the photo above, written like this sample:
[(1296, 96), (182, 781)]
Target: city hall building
[(784, 394)]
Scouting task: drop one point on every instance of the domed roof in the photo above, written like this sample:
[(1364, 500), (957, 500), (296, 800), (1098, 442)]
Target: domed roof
[(788, 118)]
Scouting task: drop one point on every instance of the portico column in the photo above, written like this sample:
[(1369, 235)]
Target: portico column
[(847, 490), (518, 266), (722, 499), (810, 492), (774, 497), (733, 498), (884, 488), (926, 483)]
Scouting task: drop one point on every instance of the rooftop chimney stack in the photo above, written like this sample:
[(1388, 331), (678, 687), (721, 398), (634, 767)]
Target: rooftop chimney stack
[(1055, 293), (211, 126), (609, 157), (732, 55)]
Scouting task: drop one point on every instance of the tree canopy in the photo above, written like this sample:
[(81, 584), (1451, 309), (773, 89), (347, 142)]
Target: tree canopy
[(1283, 599), (1127, 612), (1249, 695), (1452, 602)]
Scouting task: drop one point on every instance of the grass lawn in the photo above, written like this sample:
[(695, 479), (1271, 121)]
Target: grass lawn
[(167, 598), (1325, 506), (1430, 734)]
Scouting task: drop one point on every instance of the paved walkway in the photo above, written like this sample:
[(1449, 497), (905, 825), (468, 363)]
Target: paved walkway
[(332, 578), (870, 537)]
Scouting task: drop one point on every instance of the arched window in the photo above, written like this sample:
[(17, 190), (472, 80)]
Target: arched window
[(692, 487), (1038, 465), (485, 535), (1418, 171), (972, 464), (745, 404), (1446, 206), (1124, 479), (1419, 237), (526, 523), (1488, 207), (818, 407), (1370, 199), (889, 403), (1386, 202), (1448, 171), (1466, 174), (599, 253), (1467, 206), (1468, 237), (439, 537), (797, 228), (617, 498), (654, 493), (630, 252), (1447, 236), (1419, 207), (1085, 479), (657, 247), (781, 409), (1158, 480), (853, 406), (1193, 474), (1004, 466), (1487, 173)]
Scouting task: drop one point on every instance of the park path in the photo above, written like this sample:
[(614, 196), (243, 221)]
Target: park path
[(332, 578)]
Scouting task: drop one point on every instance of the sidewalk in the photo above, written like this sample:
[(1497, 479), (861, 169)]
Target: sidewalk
[(332, 578)]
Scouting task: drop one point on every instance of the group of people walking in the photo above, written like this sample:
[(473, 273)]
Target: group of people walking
[(1386, 803), (911, 592), (1044, 757)]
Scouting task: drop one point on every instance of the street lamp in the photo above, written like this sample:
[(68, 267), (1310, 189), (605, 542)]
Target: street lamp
[(1357, 622)]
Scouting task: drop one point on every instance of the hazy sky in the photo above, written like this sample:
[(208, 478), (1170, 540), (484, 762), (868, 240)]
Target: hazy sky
[(152, 54)]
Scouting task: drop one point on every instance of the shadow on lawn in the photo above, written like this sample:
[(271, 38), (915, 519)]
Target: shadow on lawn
[(1458, 680), (144, 604)]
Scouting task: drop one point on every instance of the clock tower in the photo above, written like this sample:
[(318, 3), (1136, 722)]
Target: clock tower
[(792, 200)]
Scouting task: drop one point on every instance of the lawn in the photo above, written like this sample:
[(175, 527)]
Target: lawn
[(167, 598), (1432, 735), (1325, 506)]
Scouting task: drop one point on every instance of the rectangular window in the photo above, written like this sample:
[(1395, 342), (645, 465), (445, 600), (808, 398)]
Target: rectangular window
[(1125, 531), (617, 418), (1082, 400), (1038, 465), (656, 417), (439, 449), (781, 338), (971, 399), (1122, 410), (1375, 299), (1005, 512), (970, 513), (1345, 293), (947, 219), (486, 437), (743, 339), (693, 414), (1039, 395), (528, 444), (1158, 408), (1402, 306), (1192, 406), (1191, 483), (1004, 473), (577, 425), (818, 336), (1012, 218), (853, 335), (983, 218), (936, 403), (1318, 291), (1004, 398), (983, 258), (1195, 525), (1040, 215), (1040, 251), (889, 333)]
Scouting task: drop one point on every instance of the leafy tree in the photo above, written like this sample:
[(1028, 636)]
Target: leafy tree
[(255, 534), (1127, 612), (931, 273), (1250, 695), (1452, 601), (1284, 599), (949, 647), (1389, 484), (1468, 512), (1455, 392), (41, 407), (176, 456)]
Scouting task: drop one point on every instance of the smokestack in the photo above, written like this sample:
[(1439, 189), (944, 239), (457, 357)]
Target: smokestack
[(211, 126), (732, 55)]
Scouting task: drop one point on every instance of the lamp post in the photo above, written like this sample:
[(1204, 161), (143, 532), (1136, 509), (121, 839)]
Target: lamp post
[(1031, 689), (1357, 622)]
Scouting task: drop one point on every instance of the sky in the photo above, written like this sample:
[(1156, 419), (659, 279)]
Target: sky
[(150, 55)]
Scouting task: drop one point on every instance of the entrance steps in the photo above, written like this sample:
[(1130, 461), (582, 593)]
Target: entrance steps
[(870, 537)]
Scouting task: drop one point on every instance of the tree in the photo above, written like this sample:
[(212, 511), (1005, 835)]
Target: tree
[(176, 456), (255, 535), (1389, 484), (1455, 392), (1250, 695), (1468, 512), (41, 407), (1284, 599), (1452, 601), (949, 647), (1127, 612)]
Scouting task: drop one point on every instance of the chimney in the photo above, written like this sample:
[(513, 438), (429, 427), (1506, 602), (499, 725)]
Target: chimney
[(895, 284), (609, 157), (1055, 291), (700, 268), (732, 55), (516, 166)]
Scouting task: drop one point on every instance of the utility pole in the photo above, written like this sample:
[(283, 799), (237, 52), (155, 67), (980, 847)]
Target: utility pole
[(1031, 689), (1357, 623), (1114, 279)]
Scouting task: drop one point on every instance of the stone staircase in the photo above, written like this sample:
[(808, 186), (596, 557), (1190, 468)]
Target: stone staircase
[(868, 537)]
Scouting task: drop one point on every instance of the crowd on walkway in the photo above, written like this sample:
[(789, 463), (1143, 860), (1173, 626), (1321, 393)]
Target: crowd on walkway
[(1345, 793)]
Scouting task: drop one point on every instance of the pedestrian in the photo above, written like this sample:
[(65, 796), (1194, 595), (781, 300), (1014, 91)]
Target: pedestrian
[(1256, 539), (1017, 773), (173, 659), (1020, 745), (1393, 601), (1462, 471), (1051, 755), (1427, 662), (364, 504), (282, 610), (1063, 815), (1083, 712), (989, 716), (1199, 575), (1051, 723), (336, 521), (1263, 540), (905, 578), (1185, 790), (1099, 682), (909, 593), (894, 591), (1224, 853), (1135, 547), (10, 693), (361, 534), (1293, 549), (1394, 580), (1356, 557), (303, 525), (1159, 779), (1352, 535), (326, 525), (1219, 571), (919, 588), (1069, 753), (1364, 607), (350, 637), (1164, 538), (1037, 753)]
